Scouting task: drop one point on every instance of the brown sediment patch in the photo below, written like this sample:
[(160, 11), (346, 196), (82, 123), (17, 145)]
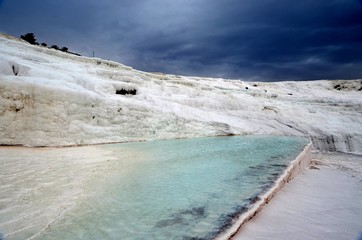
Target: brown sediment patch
[(294, 168)]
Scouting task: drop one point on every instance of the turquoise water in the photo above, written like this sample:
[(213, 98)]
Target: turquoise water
[(179, 189)]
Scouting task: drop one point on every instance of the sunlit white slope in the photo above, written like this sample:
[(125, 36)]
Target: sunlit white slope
[(61, 99)]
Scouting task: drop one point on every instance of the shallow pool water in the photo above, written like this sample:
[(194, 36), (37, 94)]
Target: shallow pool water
[(180, 189), (176, 189)]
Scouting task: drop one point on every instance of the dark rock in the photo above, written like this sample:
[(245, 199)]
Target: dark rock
[(337, 87), (254, 199), (314, 167), (126, 92)]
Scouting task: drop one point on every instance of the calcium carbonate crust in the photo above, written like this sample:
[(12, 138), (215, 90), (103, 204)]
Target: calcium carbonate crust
[(297, 166), (51, 98)]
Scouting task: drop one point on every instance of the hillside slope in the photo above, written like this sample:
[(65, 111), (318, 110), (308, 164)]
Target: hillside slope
[(59, 99)]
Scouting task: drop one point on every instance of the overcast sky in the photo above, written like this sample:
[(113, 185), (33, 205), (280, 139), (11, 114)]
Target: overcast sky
[(265, 40)]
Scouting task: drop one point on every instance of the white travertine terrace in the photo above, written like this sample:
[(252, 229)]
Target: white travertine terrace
[(295, 167), (59, 99), (51, 98)]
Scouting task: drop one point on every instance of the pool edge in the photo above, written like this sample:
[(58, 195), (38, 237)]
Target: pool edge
[(295, 167)]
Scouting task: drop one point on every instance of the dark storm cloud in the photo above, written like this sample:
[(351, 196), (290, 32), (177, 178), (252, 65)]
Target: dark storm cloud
[(249, 39)]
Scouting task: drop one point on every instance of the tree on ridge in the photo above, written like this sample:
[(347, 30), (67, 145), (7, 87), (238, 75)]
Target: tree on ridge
[(30, 38)]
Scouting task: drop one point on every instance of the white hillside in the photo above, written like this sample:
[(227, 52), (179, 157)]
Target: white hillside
[(59, 99)]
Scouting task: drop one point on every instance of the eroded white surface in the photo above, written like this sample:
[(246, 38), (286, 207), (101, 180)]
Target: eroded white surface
[(318, 204), (61, 99), (39, 186)]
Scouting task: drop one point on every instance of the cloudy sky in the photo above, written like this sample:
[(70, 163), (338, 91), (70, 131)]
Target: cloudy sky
[(265, 40)]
